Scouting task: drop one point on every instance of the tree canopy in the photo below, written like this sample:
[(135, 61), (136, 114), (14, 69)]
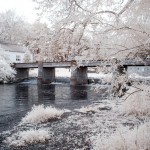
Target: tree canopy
[(106, 28), (83, 29)]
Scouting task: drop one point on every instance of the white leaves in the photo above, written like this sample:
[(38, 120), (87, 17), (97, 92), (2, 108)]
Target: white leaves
[(6, 72), (11, 27), (27, 57), (88, 26)]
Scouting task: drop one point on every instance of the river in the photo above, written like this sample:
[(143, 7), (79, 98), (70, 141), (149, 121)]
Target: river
[(17, 99)]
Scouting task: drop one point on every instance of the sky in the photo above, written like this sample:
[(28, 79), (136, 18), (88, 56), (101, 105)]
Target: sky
[(23, 8)]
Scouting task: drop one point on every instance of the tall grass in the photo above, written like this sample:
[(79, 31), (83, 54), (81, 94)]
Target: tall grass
[(40, 114), (136, 139), (138, 101), (22, 138)]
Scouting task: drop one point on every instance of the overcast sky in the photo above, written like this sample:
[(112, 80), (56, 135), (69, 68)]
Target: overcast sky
[(21, 7)]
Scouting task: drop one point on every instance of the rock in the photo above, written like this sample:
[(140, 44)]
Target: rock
[(105, 108)]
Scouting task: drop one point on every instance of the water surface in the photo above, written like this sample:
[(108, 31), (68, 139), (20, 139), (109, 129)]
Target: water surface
[(17, 99)]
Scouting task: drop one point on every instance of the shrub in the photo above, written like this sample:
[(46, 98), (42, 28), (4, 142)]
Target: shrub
[(28, 137), (40, 114)]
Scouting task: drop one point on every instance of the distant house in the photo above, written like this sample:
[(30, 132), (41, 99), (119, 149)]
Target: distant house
[(15, 52)]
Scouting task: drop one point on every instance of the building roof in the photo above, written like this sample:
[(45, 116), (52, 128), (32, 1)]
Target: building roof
[(12, 47)]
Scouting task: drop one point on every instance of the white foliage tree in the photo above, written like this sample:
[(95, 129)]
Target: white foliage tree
[(27, 57), (6, 72), (12, 27), (98, 27), (38, 41)]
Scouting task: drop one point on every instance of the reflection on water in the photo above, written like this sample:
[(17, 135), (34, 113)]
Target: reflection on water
[(7, 94), (21, 97), (46, 94), (79, 92)]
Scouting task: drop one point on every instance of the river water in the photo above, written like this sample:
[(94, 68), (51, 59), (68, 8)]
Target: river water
[(17, 99)]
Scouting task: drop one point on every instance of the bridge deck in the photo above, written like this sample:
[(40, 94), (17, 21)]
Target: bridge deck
[(84, 63), (26, 65)]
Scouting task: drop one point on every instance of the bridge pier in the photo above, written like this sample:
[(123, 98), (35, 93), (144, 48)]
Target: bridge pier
[(22, 73), (79, 76), (45, 74), (48, 75)]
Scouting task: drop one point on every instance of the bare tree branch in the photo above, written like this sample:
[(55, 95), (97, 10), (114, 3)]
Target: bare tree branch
[(132, 93), (127, 49), (99, 12), (128, 4), (126, 28)]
